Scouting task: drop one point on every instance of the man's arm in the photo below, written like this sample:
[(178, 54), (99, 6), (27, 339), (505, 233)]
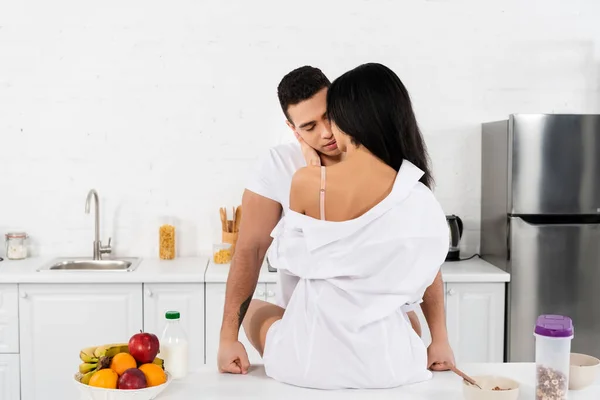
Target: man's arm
[(260, 215), (439, 352)]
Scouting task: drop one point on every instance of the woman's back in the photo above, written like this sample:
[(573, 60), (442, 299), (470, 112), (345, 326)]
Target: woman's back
[(344, 191)]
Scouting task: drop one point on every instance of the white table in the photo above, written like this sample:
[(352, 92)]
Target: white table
[(208, 384)]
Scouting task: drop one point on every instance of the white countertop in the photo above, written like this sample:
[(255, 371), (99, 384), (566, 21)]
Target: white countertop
[(202, 269), (474, 270), (208, 384), (150, 270)]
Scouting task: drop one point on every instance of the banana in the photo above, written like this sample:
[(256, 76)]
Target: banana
[(160, 362), (84, 368), (85, 379), (111, 350), (87, 355)]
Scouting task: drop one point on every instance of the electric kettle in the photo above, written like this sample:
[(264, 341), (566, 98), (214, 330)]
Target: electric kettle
[(455, 230)]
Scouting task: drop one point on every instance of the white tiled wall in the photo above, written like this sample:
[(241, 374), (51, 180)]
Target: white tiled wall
[(163, 106)]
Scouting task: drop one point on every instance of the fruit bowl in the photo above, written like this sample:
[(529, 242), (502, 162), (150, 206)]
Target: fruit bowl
[(97, 393)]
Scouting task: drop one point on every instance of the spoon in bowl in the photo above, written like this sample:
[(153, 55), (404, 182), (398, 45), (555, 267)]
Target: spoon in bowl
[(463, 375)]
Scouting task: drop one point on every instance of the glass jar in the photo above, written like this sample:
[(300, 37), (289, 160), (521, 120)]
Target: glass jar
[(166, 239), (222, 253), (16, 246), (553, 335)]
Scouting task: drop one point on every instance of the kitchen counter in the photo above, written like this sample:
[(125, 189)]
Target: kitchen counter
[(202, 269), (150, 270), (208, 384), (474, 270)]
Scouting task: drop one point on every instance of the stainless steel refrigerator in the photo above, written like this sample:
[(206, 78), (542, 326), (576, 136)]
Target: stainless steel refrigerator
[(540, 221)]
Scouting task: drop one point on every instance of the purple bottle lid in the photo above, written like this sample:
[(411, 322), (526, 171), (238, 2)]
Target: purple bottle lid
[(557, 326)]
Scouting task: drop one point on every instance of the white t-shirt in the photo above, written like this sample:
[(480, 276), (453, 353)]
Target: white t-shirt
[(272, 178)]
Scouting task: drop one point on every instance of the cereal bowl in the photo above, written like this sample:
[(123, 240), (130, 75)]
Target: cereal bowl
[(96, 393), (492, 388), (583, 371)]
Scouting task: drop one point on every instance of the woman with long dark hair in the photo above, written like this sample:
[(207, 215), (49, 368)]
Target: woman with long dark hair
[(366, 237)]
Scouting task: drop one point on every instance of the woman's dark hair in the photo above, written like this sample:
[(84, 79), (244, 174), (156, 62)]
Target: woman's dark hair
[(371, 105)]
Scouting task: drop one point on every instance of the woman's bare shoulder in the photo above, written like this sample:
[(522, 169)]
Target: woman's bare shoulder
[(305, 185)]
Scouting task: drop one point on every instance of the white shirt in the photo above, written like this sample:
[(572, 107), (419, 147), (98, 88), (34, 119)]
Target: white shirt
[(344, 326), (272, 178)]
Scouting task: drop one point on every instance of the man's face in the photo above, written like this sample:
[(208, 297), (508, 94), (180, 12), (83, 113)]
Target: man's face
[(310, 121)]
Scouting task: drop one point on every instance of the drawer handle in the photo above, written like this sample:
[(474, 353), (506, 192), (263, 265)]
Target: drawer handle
[(270, 293), (451, 292), (260, 293), (149, 293), (23, 295)]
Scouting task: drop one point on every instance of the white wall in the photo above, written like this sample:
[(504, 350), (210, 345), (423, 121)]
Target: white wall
[(162, 106)]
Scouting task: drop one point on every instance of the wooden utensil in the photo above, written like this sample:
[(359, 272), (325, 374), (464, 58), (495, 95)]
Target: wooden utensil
[(233, 221), (223, 214), (463, 375), (238, 219)]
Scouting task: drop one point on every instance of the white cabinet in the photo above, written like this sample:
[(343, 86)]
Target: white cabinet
[(57, 320), (475, 321), (9, 377), (215, 301), (188, 299), (9, 318)]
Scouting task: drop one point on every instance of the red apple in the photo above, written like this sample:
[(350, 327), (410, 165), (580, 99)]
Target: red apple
[(132, 378), (144, 347)]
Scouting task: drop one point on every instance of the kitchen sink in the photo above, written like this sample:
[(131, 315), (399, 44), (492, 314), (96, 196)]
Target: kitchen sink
[(127, 264)]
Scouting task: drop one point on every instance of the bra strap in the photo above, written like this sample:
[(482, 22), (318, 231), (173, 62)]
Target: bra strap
[(322, 193)]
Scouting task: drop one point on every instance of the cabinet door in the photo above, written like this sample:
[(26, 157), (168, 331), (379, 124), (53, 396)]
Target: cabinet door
[(9, 377), (215, 301), (9, 318), (58, 320), (475, 320), (188, 299)]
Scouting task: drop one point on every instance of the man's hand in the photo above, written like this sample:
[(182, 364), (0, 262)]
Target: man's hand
[(439, 356), (310, 155), (232, 358)]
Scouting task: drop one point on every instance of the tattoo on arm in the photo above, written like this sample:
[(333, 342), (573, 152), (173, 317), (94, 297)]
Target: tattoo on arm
[(243, 309)]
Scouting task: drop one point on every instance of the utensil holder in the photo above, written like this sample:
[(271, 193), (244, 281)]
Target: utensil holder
[(229, 237)]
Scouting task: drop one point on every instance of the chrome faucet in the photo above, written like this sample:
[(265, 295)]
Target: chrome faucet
[(98, 248)]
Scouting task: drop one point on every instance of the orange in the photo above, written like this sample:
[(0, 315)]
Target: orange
[(155, 375), (122, 362), (105, 378)]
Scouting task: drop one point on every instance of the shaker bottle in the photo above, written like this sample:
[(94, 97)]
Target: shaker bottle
[(553, 335)]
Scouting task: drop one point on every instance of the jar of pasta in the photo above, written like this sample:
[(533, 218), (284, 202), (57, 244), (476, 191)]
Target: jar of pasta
[(166, 239)]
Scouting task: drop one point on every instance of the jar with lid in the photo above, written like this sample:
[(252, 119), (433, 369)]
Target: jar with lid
[(16, 245), (553, 335)]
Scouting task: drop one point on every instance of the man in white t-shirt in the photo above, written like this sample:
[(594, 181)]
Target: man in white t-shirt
[(302, 94)]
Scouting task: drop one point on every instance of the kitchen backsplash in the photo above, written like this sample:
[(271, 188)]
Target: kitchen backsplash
[(165, 109)]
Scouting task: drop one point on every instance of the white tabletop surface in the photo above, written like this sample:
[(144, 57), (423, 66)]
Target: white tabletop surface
[(474, 270), (208, 384)]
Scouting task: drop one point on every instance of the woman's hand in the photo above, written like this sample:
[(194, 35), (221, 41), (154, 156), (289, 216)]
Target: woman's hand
[(310, 155)]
